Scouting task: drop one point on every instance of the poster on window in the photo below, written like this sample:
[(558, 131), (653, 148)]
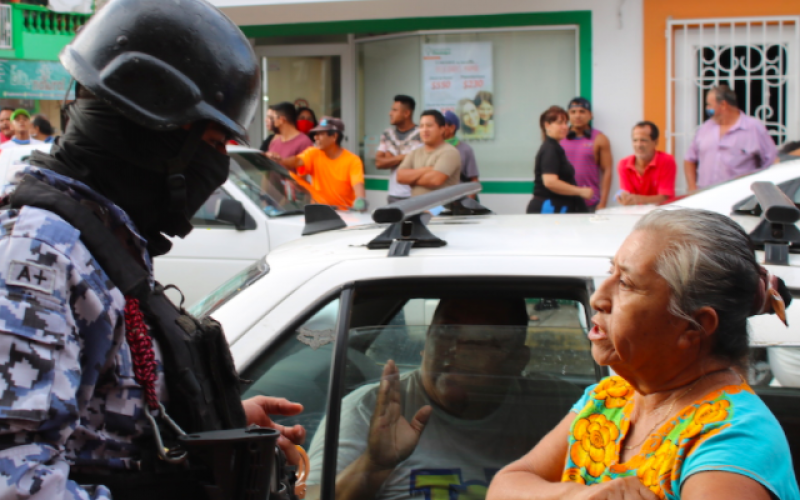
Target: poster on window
[(458, 77)]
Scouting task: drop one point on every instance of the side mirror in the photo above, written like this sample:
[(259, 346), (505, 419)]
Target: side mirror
[(233, 211)]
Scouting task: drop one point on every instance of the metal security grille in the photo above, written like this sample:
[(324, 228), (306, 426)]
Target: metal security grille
[(757, 57), (5, 27)]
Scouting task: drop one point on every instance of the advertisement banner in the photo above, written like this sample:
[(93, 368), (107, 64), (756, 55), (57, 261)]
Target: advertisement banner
[(33, 80), (458, 77)]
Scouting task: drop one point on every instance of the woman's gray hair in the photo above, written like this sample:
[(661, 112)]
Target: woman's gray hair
[(708, 261)]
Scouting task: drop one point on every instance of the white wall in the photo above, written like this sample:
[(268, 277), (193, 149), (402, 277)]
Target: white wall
[(617, 80)]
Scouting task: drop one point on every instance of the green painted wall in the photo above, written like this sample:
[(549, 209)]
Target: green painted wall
[(39, 34)]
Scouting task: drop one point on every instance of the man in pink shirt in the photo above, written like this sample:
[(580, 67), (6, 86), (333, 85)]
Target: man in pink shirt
[(647, 177), (728, 145), (288, 141)]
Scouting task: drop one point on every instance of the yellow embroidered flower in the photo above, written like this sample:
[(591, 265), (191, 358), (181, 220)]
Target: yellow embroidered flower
[(572, 475), (707, 413), (615, 391), (594, 445), (652, 444), (658, 467)]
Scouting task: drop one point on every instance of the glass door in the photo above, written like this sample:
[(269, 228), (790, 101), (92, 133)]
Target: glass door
[(311, 76)]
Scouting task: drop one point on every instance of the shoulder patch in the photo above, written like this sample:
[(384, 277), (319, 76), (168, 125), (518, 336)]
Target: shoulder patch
[(30, 275)]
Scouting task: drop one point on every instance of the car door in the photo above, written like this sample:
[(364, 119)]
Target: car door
[(332, 357)]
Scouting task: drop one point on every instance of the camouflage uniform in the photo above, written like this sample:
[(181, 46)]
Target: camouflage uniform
[(68, 394)]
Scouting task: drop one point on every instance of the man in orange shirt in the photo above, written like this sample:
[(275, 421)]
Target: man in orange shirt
[(337, 175)]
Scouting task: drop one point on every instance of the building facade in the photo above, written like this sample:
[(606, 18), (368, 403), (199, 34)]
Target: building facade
[(634, 59), (349, 58), (31, 38)]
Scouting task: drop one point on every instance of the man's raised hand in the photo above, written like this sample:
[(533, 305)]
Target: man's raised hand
[(392, 438)]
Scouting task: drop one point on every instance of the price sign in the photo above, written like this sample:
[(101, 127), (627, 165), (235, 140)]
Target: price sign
[(458, 77), (473, 84)]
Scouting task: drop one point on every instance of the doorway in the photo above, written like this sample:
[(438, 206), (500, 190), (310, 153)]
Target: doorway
[(319, 77)]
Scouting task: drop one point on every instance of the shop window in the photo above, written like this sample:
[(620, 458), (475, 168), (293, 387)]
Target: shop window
[(525, 71)]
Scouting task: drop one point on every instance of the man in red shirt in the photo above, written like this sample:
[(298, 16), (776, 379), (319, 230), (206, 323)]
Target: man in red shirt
[(647, 177), (6, 129)]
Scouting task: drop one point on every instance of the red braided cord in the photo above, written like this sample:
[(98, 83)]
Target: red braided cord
[(144, 359)]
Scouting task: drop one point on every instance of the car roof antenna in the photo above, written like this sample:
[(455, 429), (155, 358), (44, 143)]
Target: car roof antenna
[(408, 227), (777, 230)]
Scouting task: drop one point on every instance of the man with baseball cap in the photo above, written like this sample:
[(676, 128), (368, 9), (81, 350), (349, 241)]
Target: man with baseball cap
[(21, 123), (469, 167), (589, 152), (337, 175)]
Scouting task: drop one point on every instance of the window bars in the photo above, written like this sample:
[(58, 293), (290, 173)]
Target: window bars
[(759, 58)]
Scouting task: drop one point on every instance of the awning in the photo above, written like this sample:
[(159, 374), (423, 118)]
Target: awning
[(33, 80)]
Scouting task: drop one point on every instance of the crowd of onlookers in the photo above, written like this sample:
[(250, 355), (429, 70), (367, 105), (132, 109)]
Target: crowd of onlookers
[(573, 166), (573, 169), (421, 158), (19, 128)]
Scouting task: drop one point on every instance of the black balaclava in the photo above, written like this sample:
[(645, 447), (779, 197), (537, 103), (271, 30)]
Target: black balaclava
[(128, 164)]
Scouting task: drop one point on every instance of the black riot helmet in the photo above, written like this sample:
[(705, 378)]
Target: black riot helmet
[(166, 63)]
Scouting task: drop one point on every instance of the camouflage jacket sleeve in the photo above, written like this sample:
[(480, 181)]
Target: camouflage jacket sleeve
[(53, 305)]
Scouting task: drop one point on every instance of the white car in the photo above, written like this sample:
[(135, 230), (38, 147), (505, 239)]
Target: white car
[(264, 209), (721, 198), (321, 316)]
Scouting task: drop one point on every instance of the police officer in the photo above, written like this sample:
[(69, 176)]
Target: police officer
[(161, 87)]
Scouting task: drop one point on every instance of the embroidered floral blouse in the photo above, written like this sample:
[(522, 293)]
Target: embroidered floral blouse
[(729, 429)]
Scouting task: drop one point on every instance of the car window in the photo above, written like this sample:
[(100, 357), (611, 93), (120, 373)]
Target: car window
[(496, 373), (268, 184), (298, 368), (207, 214)]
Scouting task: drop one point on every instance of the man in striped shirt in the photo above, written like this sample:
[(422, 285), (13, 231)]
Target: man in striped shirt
[(396, 142)]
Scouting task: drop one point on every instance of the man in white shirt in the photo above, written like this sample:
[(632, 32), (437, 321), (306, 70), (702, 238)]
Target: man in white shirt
[(396, 142), (453, 423), (21, 122)]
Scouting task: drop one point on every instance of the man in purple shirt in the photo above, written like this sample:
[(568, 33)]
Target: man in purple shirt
[(288, 141), (728, 145)]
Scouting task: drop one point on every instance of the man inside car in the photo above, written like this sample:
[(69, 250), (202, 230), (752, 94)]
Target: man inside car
[(448, 426)]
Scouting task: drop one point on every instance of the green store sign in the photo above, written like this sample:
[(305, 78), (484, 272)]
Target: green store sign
[(33, 80)]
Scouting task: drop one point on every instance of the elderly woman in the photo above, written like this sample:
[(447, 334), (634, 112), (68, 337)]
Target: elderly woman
[(678, 421)]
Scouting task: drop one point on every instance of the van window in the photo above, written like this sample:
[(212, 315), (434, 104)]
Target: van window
[(207, 214)]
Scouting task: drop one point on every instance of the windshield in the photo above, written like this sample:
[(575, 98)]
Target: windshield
[(267, 184), (230, 288)]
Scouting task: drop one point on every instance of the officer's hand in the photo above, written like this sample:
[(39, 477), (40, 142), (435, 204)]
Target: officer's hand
[(392, 438), (259, 408)]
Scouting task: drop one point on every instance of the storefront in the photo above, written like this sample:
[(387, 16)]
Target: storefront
[(349, 59), (38, 86), (31, 77)]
